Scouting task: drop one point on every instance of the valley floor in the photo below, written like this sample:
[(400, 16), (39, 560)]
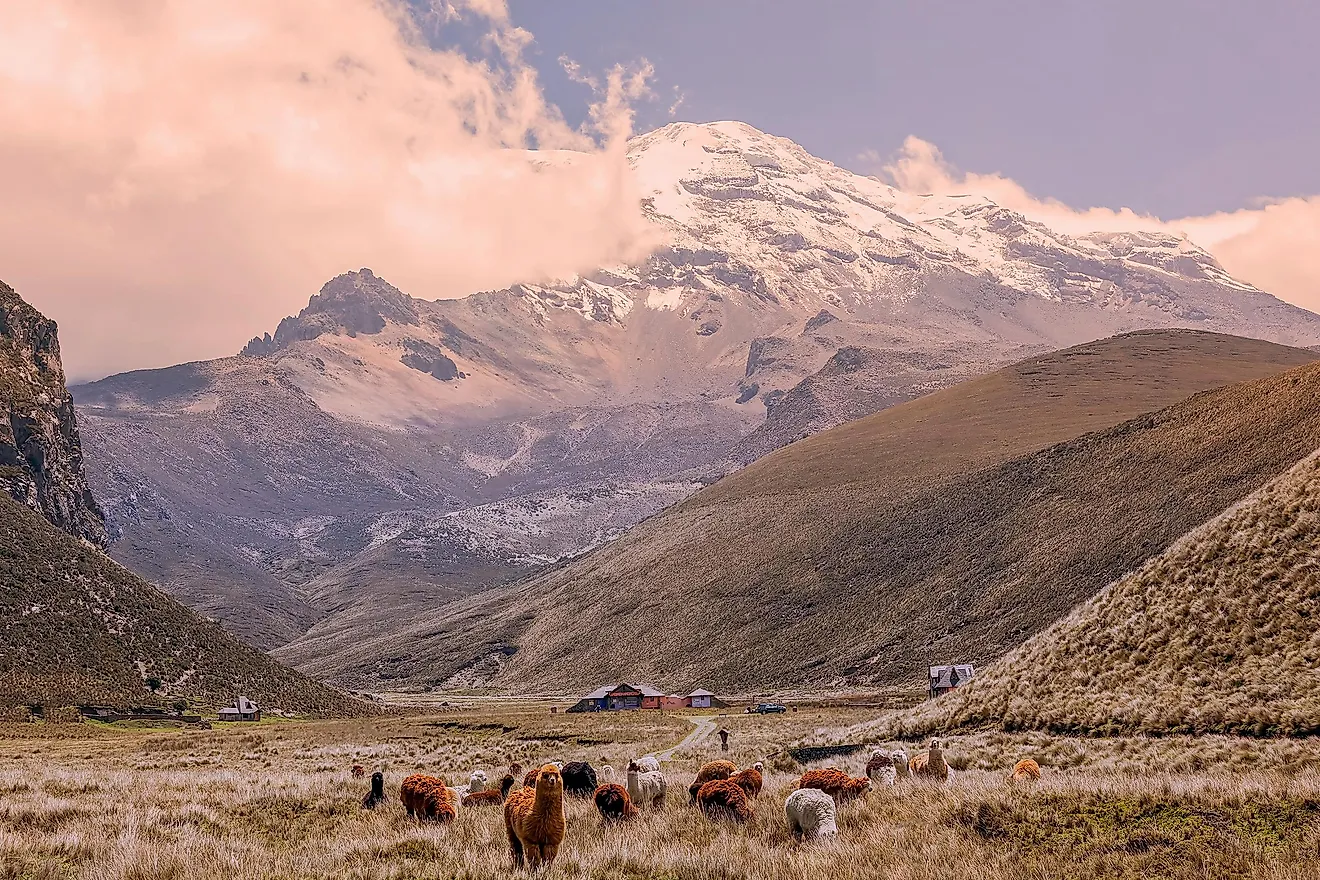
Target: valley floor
[(277, 800)]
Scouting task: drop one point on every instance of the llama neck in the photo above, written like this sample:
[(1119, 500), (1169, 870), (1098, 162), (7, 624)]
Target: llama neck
[(546, 803)]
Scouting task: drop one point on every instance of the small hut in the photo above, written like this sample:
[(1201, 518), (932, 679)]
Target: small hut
[(243, 710), (946, 678)]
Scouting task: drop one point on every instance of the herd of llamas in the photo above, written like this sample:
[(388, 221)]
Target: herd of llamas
[(534, 814)]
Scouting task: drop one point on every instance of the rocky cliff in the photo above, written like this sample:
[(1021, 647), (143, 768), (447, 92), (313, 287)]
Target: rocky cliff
[(40, 454)]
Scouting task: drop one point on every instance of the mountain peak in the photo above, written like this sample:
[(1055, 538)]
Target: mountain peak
[(351, 303)]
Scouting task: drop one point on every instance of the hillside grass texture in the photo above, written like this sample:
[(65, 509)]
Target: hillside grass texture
[(78, 628), (1220, 633), (953, 527)]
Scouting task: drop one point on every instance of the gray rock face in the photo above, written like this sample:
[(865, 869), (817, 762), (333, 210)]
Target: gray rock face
[(353, 303), (41, 462)]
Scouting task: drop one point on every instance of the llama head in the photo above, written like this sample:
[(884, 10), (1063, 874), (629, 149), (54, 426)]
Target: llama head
[(758, 767), (607, 773), (633, 768), (935, 744), (858, 786), (549, 782), (898, 757), (478, 780)]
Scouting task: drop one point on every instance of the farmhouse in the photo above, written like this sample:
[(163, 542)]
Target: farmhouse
[(615, 697), (243, 710), (945, 678)]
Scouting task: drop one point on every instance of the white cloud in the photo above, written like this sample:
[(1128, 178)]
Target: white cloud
[(1275, 246), (179, 174)]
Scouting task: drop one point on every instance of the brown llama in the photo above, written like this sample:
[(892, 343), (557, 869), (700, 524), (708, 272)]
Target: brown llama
[(1025, 770), (711, 770), (490, 798), (724, 799), (614, 804), (534, 820), (836, 783)]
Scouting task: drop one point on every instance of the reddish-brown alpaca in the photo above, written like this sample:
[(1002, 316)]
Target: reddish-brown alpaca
[(709, 771), (748, 780), (836, 783), (534, 820), (724, 799), (489, 798), (614, 804), (1025, 770)]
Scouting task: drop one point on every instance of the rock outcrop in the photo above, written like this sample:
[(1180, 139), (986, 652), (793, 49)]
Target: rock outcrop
[(40, 454)]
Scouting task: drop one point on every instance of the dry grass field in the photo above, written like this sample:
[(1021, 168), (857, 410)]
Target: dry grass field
[(278, 802)]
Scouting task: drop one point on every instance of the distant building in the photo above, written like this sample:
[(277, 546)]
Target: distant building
[(945, 678), (699, 699), (243, 710), (616, 697)]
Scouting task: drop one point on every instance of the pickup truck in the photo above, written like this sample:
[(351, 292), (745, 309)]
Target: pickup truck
[(765, 709)]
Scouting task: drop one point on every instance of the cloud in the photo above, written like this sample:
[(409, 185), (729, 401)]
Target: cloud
[(1273, 246), (179, 174)]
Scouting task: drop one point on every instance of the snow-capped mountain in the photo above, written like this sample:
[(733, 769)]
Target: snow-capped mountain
[(790, 295)]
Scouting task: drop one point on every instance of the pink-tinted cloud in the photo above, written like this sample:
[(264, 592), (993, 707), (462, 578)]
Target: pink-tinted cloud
[(1273, 246), (179, 174)]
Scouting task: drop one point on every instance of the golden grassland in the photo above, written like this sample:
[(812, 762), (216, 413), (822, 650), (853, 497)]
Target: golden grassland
[(278, 801)]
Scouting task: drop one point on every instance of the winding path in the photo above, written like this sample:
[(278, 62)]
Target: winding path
[(705, 726)]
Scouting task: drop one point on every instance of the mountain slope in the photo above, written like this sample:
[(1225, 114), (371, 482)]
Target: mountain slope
[(78, 628), (791, 295), (1220, 633), (838, 558), (75, 626)]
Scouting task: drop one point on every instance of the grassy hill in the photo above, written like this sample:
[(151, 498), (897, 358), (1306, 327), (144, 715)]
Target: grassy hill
[(79, 628), (1220, 633), (954, 526)]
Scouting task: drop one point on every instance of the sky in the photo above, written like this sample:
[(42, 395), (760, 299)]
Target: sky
[(180, 174), (1168, 107)]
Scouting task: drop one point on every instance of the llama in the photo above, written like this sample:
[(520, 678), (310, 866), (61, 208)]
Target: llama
[(723, 799), (490, 798), (358, 771), (1025, 770), (709, 771), (428, 798), (579, 779), (749, 780), (648, 764), (376, 796), (901, 764), (931, 766), (836, 783), (880, 768), (478, 781), (534, 820), (646, 787), (811, 813), (614, 804)]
